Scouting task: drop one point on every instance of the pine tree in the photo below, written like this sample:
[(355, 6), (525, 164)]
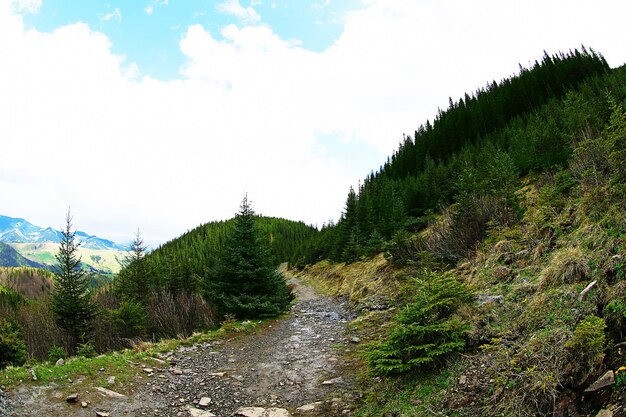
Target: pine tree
[(132, 280), (244, 282), (71, 300)]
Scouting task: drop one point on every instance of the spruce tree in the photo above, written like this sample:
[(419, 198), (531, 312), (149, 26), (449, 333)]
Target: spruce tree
[(245, 283), (71, 300), (132, 280)]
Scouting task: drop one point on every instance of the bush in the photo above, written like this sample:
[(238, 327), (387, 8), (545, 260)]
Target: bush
[(524, 375), (180, 314), (86, 350), (55, 353), (39, 328), (425, 330), (131, 320), (462, 226), (12, 347), (587, 344)]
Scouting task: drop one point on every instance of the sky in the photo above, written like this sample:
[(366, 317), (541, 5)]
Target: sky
[(159, 115)]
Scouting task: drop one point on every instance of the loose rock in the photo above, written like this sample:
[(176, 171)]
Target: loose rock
[(605, 380), (72, 398), (261, 412), (110, 393), (195, 412), (309, 408)]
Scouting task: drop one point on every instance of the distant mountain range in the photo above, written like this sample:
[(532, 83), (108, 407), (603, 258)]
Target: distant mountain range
[(24, 244), (16, 230)]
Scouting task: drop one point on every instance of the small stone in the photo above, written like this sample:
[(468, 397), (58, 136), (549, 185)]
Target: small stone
[(605, 413), (32, 372), (250, 412), (356, 340), (483, 299), (463, 380), (204, 402), (177, 371), (309, 408), (195, 412), (148, 370), (110, 393), (333, 381), (605, 380), (84, 404), (72, 398), (60, 362), (102, 414)]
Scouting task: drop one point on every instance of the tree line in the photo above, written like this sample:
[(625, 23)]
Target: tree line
[(480, 146)]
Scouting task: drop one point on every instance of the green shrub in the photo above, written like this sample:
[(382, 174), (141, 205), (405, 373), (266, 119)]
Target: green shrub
[(55, 353), (131, 319), (426, 329), (587, 343), (12, 346), (86, 350), (615, 316)]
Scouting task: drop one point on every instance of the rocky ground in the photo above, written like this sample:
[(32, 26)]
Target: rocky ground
[(295, 362)]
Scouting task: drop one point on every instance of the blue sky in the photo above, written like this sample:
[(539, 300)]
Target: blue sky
[(290, 101), (148, 32)]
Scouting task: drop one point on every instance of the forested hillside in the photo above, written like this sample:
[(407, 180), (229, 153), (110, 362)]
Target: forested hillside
[(481, 145), (178, 264), (501, 291)]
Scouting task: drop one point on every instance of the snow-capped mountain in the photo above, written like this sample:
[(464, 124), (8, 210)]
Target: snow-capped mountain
[(16, 230)]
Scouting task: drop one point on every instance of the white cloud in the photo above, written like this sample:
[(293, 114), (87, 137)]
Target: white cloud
[(251, 112), (149, 10), (28, 6), (234, 8), (116, 14)]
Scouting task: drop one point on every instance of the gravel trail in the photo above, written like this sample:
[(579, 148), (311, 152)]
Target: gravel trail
[(293, 362)]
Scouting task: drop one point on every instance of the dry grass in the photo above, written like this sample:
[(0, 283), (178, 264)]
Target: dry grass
[(566, 266), (367, 284)]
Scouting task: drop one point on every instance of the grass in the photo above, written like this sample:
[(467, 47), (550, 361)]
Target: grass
[(413, 396), (124, 365)]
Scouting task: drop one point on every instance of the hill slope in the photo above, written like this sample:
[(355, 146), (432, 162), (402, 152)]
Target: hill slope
[(11, 257), (193, 254)]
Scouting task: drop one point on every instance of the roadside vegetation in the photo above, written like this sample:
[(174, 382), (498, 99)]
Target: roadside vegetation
[(509, 300)]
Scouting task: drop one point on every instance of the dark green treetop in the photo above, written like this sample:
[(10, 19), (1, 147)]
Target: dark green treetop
[(245, 282), (71, 300)]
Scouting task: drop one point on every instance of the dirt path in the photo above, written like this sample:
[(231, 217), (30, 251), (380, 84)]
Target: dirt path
[(294, 362)]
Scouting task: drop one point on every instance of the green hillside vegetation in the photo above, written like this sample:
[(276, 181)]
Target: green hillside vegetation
[(184, 262), (529, 217), (478, 148)]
